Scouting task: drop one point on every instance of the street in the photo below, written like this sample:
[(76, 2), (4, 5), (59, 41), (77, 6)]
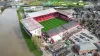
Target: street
[(12, 42)]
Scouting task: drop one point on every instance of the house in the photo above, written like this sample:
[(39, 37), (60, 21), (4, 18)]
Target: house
[(85, 47)]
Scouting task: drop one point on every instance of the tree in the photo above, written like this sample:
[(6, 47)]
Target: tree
[(37, 41)]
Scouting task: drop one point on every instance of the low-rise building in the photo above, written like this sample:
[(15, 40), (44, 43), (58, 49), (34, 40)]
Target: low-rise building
[(85, 47), (83, 36), (37, 8)]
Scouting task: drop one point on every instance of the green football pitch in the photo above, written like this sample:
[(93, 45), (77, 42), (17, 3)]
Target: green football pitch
[(52, 23)]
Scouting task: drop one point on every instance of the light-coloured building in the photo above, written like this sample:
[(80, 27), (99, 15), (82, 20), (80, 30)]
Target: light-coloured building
[(83, 36), (32, 27), (85, 47), (37, 8)]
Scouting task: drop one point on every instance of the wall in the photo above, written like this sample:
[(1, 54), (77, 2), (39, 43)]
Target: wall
[(36, 32)]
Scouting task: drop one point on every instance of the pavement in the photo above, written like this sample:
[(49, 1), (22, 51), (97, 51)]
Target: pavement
[(11, 39)]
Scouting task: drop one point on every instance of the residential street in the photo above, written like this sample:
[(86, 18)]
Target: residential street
[(11, 39)]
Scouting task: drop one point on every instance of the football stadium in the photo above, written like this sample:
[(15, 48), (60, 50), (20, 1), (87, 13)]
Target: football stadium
[(51, 22)]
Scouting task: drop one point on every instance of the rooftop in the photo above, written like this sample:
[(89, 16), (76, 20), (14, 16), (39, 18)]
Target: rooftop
[(61, 28), (31, 24), (70, 24), (67, 12), (83, 36), (55, 31), (42, 12), (56, 46), (85, 46)]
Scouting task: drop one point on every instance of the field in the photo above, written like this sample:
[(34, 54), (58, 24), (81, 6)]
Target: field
[(52, 23), (73, 3)]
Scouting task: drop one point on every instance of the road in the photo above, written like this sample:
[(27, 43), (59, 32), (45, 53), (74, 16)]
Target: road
[(11, 39)]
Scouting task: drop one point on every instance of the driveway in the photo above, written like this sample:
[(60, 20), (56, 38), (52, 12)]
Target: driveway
[(11, 39)]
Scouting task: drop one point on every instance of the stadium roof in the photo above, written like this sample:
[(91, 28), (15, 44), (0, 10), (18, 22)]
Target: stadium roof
[(42, 12), (62, 28), (67, 12), (86, 46), (70, 25), (55, 31), (56, 38), (31, 24)]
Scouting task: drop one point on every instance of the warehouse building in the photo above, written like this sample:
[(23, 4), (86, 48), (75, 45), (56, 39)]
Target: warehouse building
[(85, 47)]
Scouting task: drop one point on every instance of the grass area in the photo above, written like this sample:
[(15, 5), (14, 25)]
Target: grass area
[(27, 38), (67, 3), (52, 23), (36, 3), (62, 3), (64, 0)]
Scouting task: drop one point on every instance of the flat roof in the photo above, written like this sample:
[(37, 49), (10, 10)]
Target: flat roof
[(67, 12), (70, 24), (56, 46), (42, 12), (55, 31), (61, 28), (85, 46), (83, 36), (56, 38), (31, 24)]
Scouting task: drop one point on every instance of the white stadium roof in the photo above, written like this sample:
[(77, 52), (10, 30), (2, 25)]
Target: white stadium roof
[(31, 24), (42, 12), (56, 38)]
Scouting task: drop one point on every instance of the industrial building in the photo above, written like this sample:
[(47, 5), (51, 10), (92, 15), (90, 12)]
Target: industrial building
[(85, 47)]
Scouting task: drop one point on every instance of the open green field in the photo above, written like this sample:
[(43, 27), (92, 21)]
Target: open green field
[(73, 3), (65, 0), (52, 23)]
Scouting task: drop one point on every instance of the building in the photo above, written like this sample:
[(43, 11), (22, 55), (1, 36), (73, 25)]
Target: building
[(98, 46), (37, 8), (32, 24), (85, 47), (83, 36), (32, 27), (68, 13), (63, 31), (56, 46)]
